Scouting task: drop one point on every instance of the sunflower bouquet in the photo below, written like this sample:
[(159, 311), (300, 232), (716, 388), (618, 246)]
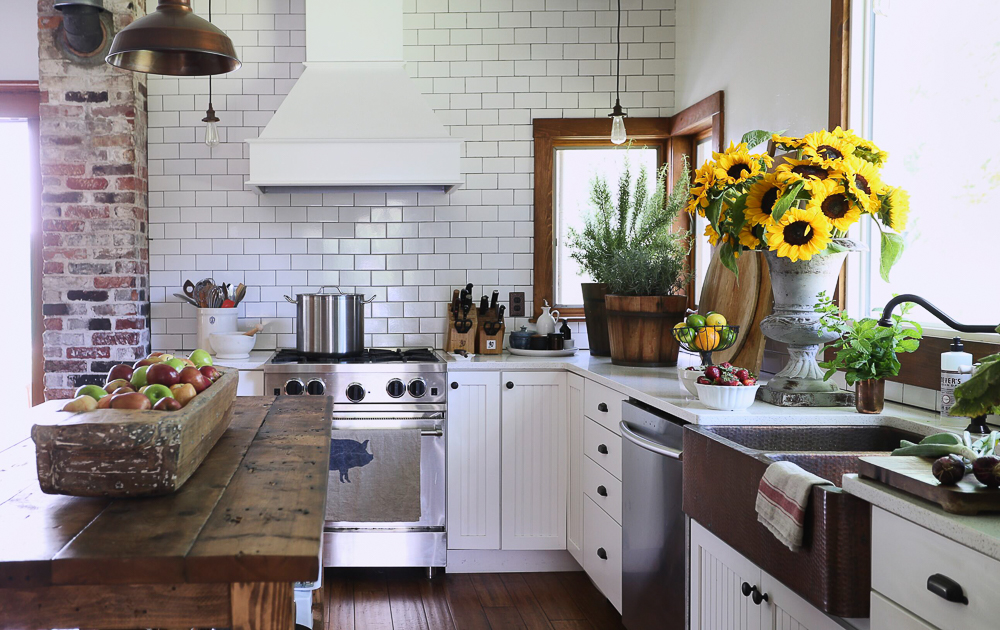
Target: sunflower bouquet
[(824, 185)]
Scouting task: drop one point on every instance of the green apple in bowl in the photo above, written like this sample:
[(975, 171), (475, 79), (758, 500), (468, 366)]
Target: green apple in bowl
[(201, 357), (177, 363), (94, 391), (139, 376), (155, 392)]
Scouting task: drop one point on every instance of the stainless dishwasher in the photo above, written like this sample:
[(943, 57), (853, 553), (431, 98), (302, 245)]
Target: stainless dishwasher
[(653, 528)]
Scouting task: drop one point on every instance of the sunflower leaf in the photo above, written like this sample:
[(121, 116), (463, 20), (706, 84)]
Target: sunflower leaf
[(835, 248), (737, 213), (756, 137), (713, 211), (785, 201), (728, 258), (892, 249)]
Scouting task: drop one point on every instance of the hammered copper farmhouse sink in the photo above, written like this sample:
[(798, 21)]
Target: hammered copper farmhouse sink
[(722, 468)]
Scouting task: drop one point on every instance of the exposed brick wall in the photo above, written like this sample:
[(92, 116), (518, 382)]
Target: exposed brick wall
[(94, 210)]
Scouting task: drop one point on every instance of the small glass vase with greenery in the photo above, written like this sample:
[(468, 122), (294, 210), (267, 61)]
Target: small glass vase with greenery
[(865, 351)]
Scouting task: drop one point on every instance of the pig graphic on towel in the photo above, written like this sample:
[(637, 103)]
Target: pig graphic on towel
[(348, 454)]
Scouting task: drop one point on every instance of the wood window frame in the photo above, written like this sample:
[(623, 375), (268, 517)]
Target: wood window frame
[(676, 136), (21, 100)]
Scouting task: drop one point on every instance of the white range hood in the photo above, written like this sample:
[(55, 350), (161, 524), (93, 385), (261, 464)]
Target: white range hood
[(354, 120)]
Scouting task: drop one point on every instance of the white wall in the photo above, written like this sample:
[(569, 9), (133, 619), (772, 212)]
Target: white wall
[(771, 57), (19, 41)]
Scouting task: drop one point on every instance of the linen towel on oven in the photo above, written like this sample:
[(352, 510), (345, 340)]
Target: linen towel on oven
[(374, 476)]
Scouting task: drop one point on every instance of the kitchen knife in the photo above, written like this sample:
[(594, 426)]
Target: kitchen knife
[(484, 305), (503, 307), (454, 303), (494, 300)]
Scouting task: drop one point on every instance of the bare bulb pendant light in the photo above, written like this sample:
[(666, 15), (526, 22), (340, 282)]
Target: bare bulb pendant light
[(173, 40), (211, 120), (617, 114)]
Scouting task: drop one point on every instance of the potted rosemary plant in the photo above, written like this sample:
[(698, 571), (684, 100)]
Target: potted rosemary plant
[(630, 246)]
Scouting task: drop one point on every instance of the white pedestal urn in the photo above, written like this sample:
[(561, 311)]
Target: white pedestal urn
[(795, 322)]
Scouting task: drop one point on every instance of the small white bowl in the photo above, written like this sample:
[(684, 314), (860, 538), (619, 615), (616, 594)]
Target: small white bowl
[(232, 345), (689, 379), (727, 398)]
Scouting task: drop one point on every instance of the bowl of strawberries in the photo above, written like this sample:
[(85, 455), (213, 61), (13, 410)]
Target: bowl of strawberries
[(727, 387)]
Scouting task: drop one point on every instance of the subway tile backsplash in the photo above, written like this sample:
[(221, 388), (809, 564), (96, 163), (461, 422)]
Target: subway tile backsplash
[(488, 67)]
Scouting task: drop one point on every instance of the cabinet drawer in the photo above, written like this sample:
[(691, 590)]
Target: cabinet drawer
[(604, 405), (597, 480), (603, 446), (602, 553), (905, 555), (886, 614)]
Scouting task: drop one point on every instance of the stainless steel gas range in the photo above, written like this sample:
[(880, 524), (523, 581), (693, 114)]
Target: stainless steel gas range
[(386, 503)]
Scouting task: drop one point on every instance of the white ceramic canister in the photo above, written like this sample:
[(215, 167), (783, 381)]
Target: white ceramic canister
[(214, 320)]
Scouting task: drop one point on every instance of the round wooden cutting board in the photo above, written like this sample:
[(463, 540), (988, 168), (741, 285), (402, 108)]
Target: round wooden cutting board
[(736, 298)]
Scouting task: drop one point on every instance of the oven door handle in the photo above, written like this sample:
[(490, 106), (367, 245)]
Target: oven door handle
[(435, 433)]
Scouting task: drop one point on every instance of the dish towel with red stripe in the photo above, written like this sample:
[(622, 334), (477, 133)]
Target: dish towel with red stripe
[(782, 497)]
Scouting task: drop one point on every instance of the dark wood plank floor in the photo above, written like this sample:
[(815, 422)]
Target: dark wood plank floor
[(404, 599)]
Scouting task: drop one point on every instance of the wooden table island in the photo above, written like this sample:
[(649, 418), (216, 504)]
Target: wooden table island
[(223, 551)]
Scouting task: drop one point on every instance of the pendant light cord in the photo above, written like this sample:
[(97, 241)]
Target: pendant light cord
[(618, 68), (210, 76)]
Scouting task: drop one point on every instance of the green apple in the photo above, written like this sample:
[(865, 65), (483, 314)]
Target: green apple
[(94, 391), (156, 392), (139, 376), (177, 364), (201, 357)]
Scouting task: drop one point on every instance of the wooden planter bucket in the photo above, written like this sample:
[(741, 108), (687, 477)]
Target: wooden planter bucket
[(597, 318), (639, 329)]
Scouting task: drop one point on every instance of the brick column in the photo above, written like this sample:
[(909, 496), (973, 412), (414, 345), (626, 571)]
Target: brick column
[(94, 209)]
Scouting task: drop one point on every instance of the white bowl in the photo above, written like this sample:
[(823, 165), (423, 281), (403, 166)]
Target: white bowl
[(726, 397), (689, 379), (232, 345)]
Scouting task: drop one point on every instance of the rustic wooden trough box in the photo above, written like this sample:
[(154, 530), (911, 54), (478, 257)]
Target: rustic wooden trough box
[(128, 453)]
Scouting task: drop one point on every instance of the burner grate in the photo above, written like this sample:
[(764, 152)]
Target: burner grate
[(369, 355)]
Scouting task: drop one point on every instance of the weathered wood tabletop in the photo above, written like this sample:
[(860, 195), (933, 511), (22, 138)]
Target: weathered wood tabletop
[(221, 552)]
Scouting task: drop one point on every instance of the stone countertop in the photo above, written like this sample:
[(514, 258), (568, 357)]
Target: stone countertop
[(256, 360), (661, 388), (980, 533)]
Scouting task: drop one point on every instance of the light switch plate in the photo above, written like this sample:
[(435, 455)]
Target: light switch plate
[(516, 299)]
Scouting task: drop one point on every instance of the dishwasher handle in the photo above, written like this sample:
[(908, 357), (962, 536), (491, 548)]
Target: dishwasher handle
[(648, 444)]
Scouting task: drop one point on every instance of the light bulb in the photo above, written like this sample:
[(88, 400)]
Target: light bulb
[(212, 133), (617, 129)]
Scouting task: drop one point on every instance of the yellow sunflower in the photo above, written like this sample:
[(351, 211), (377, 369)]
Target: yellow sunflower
[(863, 182), (794, 171), (895, 208), (704, 179), (750, 236), (763, 195), (800, 234), (787, 143), (825, 149), (832, 201), (736, 165), (713, 236), (865, 149)]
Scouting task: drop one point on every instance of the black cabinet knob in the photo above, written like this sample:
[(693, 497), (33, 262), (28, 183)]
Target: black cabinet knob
[(601, 490), (602, 449), (947, 589), (510, 385), (757, 596), (454, 385), (603, 555), (602, 407), (746, 589)]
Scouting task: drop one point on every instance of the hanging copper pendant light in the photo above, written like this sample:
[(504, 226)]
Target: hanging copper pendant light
[(173, 40)]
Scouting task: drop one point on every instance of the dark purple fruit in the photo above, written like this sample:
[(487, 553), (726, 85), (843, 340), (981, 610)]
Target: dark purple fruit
[(987, 470), (948, 470)]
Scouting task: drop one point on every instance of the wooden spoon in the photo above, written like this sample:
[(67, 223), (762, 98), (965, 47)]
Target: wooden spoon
[(253, 331)]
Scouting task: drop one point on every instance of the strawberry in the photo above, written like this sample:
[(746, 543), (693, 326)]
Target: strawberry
[(704, 380), (749, 381), (713, 372), (727, 364), (732, 383), (742, 374)]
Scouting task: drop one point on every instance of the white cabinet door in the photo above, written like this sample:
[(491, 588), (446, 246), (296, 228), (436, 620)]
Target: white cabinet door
[(785, 610), (534, 460), (474, 460), (250, 383), (886, 615), (717, 576), (576, 420)]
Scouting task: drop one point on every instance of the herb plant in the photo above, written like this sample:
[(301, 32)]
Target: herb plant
[(866, 350), (980, 395), (628, 241)]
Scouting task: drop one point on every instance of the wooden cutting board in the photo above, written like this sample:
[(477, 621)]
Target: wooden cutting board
[(744, 301), (913, 475)]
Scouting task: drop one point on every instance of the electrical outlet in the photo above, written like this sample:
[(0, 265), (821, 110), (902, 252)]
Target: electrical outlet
[(516, 299)]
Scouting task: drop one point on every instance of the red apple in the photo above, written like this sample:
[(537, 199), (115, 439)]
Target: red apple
[(120, 371), (167, 404), (192, 376), (154, 354), (115, 384), (124, 389), (146, 361), (132, 400), (183, 392), (104, 403), (162, 374), (210, 372)]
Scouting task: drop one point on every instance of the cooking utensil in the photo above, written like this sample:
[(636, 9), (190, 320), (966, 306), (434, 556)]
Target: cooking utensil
[(464, 324), (190, 300), (188, 289), (240, 293), (215, 297), (253, 331), (328, 323), (494, 299), (484, 305)]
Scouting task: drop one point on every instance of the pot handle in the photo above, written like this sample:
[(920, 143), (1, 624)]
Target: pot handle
[(291, 300)]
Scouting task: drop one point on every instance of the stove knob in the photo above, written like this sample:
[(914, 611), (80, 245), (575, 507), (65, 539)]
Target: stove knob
[(355, 392), (395, 388), (418, 387), (294, 387), (316, 387)]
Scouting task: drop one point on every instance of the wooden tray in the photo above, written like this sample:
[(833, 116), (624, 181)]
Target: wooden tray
[(125, 453), (913, 475)]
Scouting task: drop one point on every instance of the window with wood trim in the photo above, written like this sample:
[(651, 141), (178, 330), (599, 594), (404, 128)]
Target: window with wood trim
[(569, 152)]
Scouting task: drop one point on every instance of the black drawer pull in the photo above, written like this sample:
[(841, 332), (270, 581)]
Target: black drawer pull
[(510, 385), (947, 589), (601, 490), (454, 385), (603, 407), (602, 449), (757, 596), (603, 555), (746, 589)]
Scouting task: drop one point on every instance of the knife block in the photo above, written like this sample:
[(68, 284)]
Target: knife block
[(490, 344), (461, 341)]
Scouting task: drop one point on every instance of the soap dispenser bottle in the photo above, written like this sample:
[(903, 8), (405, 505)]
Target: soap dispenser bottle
[(956, 367)]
